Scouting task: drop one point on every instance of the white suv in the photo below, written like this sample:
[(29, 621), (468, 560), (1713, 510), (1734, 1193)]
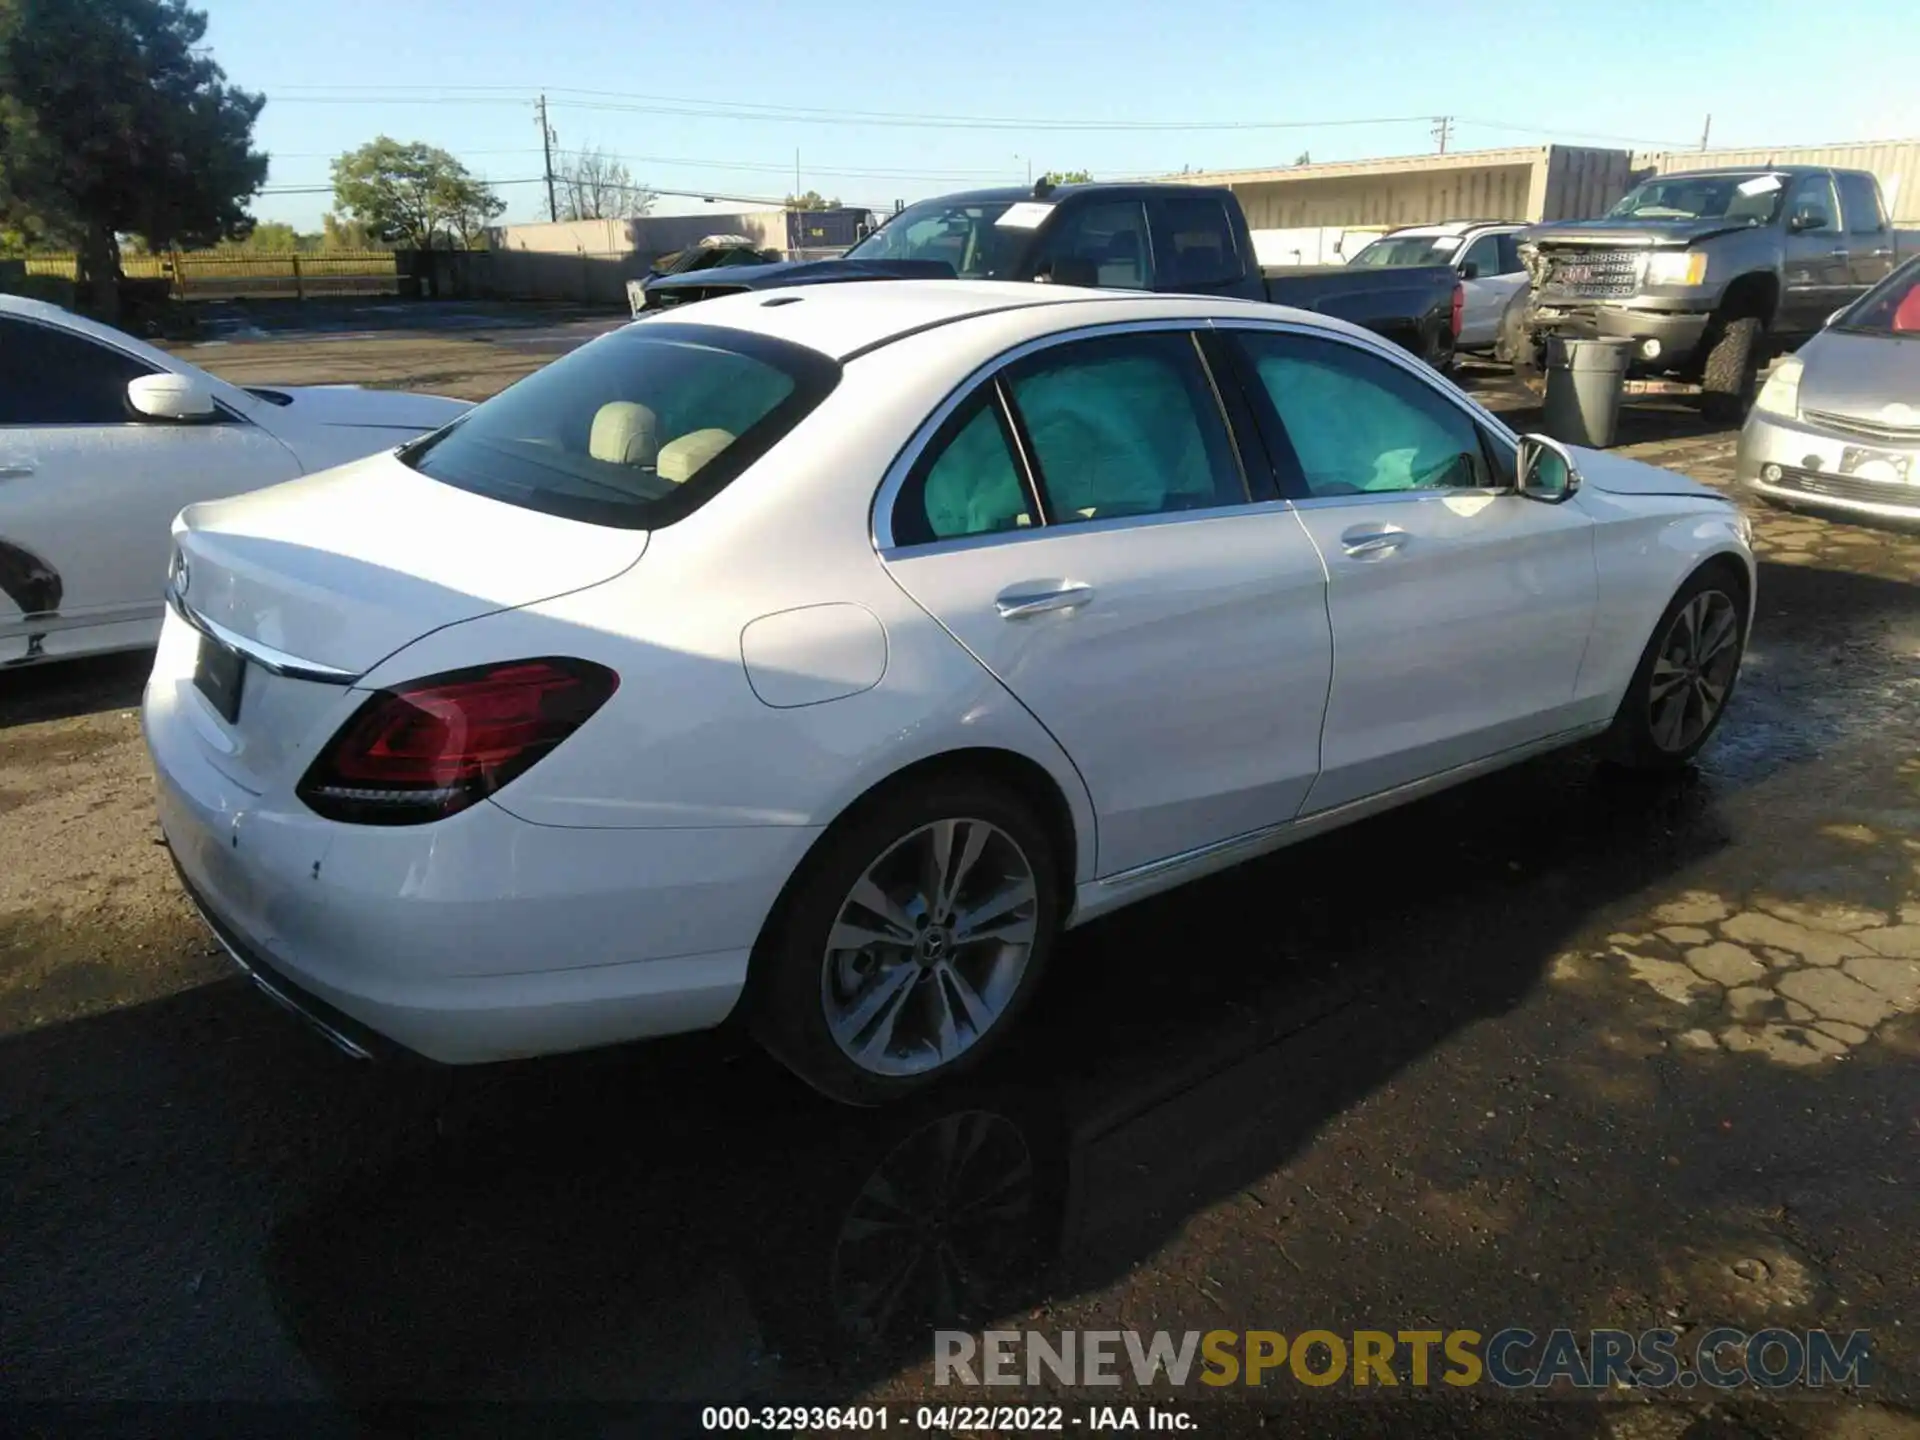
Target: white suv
[(1482, 251)]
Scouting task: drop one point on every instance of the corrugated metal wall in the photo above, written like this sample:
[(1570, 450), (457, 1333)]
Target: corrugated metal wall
[(1895, 162), (1494, 192), (1582, 183)]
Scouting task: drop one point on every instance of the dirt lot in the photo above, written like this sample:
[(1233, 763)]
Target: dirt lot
[(1553, 1049)]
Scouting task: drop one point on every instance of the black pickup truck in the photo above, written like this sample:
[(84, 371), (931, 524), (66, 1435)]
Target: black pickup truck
[(1177, 239)]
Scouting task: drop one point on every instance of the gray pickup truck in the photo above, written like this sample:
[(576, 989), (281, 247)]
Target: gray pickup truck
[(1709, 271)]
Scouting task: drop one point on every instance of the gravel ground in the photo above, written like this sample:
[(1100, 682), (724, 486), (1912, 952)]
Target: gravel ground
[(1551, 1049)]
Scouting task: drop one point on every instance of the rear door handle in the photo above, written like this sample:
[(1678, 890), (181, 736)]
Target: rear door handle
[(1365, 541), (1037, 596), (15, 469)]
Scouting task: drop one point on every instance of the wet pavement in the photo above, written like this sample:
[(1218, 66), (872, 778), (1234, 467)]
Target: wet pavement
[(1556, 1048)]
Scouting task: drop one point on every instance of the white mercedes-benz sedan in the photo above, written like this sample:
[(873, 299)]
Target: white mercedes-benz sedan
[(104, 439), (824, 657)]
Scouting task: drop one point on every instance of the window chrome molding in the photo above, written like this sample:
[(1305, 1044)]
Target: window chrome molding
[(896, 475)]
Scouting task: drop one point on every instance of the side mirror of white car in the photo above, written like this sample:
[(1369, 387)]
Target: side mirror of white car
[(1836, 315), (167, 396), (1546, 470)]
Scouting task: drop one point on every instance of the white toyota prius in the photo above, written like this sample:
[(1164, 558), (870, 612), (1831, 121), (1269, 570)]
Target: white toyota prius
[(103, 439), (824, 655)]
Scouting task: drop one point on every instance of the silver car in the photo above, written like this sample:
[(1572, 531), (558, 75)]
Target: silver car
[(1837, 425)]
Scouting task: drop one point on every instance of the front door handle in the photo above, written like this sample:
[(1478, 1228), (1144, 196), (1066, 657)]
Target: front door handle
[(1037, 596), (1365, 541), (15, 469)]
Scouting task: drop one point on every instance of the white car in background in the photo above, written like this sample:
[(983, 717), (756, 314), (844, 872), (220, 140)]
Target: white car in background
[(103, 440), (829, 654), (1485, 254)]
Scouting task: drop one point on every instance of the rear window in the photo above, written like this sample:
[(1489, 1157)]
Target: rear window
[(637, 429), (1408, 250)]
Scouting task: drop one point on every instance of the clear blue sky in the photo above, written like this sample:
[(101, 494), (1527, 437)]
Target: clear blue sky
[(1633, 73)]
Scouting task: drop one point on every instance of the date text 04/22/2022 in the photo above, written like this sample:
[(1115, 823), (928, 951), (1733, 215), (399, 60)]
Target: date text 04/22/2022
[(947, 1419)]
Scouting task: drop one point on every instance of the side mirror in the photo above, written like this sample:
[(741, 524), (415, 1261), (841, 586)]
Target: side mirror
[(1834, 318), (1545, 470), (167, 396), (1808, 217), (1470, 271)]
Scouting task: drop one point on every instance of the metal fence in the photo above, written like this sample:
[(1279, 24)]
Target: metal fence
[(232, 275)]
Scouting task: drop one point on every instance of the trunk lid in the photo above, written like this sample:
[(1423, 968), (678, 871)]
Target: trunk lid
[(337, 571)]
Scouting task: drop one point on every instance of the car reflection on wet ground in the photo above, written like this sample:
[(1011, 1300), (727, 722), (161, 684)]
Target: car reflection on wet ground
[(1555, 1048)]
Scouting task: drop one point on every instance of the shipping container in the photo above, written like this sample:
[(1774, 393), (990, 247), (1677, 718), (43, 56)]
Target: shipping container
[(824, 229)]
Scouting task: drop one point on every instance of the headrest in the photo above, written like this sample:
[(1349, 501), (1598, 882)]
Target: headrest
[(624, 433), (681, 459)]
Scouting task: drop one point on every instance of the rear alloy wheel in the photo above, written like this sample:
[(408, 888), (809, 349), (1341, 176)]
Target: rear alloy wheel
[(909, 944), (1685, 678)]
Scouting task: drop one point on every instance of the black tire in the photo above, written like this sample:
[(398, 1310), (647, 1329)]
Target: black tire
[(1631, 742), (786, 1004), (1732, 371)]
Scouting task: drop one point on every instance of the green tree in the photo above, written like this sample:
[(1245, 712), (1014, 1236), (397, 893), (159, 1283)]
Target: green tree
[(413, 195), (275, 237), (340, 232), (1068, 177), (812, 200), (114, 121)]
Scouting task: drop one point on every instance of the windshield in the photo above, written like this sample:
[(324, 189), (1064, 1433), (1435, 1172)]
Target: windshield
[(1751, 197), (1409, 250), (964, 235), (1891, 308), (636, 429)]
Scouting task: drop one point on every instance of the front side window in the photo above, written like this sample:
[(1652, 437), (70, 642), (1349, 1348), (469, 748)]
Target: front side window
[(1124, 425), (1891, 308), (636, 429), (1812, 196), (1509, 246), (1484, 256), (1103, 244), (51, 377), (1860, 201), (1392, 251), (1360, 425)]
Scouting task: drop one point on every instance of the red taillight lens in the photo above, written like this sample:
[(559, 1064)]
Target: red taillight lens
[(434, 747), (1459, 307)]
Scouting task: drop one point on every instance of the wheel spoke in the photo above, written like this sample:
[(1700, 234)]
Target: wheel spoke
[(851, 935), (1690, 627), (979, 1013), (1726, 626), (870, 897), (1669, 720), (1711, 694), (950, 871), (886, 994), (946, 1033), (1667, 677), (994, 912)]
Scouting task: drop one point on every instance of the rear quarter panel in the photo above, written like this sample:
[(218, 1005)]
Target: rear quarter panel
[(1645, 546)]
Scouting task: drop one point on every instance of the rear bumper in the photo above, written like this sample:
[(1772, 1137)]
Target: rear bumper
[(479, 938), (1679, 332), (1803, 465)]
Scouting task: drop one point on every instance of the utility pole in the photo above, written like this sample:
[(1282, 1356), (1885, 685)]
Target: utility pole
[(546, 149), (1705, 131), (1442, 128), (796, 172)]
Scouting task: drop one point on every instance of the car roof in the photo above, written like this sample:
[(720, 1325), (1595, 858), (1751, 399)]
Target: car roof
[(50, 314), (848, 318), (1453, 227), (1743, 170)]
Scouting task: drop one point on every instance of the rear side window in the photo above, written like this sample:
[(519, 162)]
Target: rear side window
[(1126, 425), (1860, 201), (1199, 243), (968, 482), (49, 377), (1484, 256), (1509, 250), (637, 429)]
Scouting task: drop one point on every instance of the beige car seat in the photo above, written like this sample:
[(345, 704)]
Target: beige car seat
[(624, 433), (681, 459)]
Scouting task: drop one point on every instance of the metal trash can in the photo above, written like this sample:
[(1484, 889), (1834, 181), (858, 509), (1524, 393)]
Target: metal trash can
[(1585, 380)]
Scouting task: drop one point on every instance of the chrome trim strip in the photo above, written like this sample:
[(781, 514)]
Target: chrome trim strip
[(274, 662), (1302, 826)]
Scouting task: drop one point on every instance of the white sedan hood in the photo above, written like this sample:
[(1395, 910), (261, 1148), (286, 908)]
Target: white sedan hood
[(1617, 475), (351, 405)]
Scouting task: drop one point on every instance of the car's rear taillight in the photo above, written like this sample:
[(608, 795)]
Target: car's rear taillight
[(1459, 307), (431, 748)]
